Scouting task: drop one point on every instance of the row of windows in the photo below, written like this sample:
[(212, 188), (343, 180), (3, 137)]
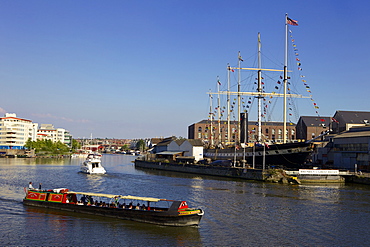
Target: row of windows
[(13, 120), (252, 137), (12, 133), (352, 147), (4, 142), (15, 124), (233, 130), (19, 138), (12, 129)]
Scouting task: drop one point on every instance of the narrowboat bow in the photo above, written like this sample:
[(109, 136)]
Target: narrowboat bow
[(142, 209)]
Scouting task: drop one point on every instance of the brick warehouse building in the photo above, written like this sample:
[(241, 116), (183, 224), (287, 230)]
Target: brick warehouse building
[(271, 131), (309, 127)]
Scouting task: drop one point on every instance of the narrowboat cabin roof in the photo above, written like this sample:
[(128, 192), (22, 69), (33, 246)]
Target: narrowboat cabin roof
[(148, 199), (175, 213)]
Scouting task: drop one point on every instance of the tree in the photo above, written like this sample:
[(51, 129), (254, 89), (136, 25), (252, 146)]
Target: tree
[(29, 144), (47, 147), (75, 144), (141, 145), (125, 147)]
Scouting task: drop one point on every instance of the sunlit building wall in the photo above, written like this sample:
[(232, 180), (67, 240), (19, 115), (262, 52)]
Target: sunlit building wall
[(14, 131)]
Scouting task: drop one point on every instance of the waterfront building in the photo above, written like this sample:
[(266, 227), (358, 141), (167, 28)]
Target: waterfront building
[(68, 138), (310, 127), (347, 150), (183, 149), (93, 147), (348, 144), (344, 120), (163, 145), (49, 132), (103, 145), (207, 130), (189, 148), (154, 141), (14, 131)]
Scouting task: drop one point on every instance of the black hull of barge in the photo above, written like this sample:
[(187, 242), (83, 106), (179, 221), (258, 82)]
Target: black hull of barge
[(290, 155), (145, 216)]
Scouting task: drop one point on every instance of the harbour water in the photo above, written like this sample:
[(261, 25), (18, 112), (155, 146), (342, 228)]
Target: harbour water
[(237, 212)]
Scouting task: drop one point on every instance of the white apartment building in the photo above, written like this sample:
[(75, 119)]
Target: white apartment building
[(14, 131), (48, 132)]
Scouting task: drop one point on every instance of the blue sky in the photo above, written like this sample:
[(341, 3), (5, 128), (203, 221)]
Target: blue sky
[(138, 69)]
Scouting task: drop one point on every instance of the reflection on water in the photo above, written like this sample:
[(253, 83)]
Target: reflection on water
[(79, 229), (94, 181), (237, 212), (197, 192), (39, 161), (320, 193)]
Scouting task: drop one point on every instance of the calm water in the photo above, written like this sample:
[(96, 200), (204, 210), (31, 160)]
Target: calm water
[(237, 213)]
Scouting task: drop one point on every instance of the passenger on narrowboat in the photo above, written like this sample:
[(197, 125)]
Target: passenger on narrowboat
[(174, 213)]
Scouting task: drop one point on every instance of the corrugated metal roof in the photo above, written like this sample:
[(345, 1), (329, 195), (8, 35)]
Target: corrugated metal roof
[(355, 132)]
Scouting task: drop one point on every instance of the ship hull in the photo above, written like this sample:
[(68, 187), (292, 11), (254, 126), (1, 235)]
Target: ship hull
[(178, 214), (291, 155), (153, 217)]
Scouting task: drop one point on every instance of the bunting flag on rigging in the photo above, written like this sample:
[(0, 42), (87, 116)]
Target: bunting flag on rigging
[(299, 64), (291, 22)]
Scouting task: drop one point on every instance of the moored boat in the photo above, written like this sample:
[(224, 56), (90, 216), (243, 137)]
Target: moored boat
[(291, 155), (260, 150), (142, 209), (316, 175), (92, 165)]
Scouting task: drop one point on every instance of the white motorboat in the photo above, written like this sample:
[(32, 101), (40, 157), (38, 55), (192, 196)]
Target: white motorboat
[(92, 165)]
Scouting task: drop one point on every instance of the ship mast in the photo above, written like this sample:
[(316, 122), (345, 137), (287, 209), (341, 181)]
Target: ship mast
[(219, 112), (238, 117), (259, 94), (228, 104), (259, 90), (285, 81), (211, 116)]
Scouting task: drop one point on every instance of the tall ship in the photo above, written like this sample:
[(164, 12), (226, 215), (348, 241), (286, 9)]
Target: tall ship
[(258, 152)]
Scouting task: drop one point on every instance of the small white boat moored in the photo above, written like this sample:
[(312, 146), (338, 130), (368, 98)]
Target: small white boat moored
[(92, 165)]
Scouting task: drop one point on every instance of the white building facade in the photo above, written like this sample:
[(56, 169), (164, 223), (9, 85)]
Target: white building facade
[(190, 148), (14, 131), (48, 132)]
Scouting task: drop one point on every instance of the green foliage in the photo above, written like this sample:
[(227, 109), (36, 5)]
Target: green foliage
[(47, 147), (125, 147), (141, 145), (75, 144)]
